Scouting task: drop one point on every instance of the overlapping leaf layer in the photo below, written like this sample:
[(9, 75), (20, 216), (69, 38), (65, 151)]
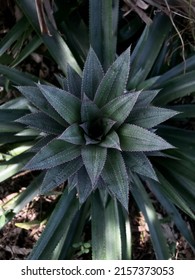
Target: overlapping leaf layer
[(100, 130)]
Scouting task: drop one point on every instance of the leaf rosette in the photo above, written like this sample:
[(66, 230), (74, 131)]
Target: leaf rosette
[(100, 132)]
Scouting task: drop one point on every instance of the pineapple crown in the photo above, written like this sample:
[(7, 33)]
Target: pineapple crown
[(94, 132)]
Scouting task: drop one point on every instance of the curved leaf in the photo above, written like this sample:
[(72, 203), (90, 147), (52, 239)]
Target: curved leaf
[(172, 211)]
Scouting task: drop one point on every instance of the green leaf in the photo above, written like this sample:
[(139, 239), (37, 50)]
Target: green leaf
[(150, 116), (43, 141), (18, 202), (84, 186), (42, 122), (57, 226), (172, 211), (34, 95), (10, 115), (115, 175), (111, 141), (106, 236), (103, 40), (73, 134), (186, 111), (63, 82), (66, 104), (89, 110), (114, 82), (145, 98), (179, 137), (139, 163), (55, 44), (183, 67), (74, 82), (144, 203), (92, 75), (13, 35), (176, 88), (94, 158), (148, 48), (34, 43), (120, 107), (18, 77), (59, 174), (55, 153), (137, 139)]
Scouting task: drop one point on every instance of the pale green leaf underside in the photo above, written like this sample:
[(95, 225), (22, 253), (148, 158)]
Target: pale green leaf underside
[(137, 139), (94, 158), (55, 153)]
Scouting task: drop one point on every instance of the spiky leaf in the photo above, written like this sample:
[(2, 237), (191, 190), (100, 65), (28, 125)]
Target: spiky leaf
[(74, 82), (115, 175), (94, 158), (92, 75), (55, 153), (34, 95), (42, 122), (84, 186), (150, 116), (89, 109), (59, 174), (66, 104), (146, 97), (111, 141), (139, 163), (114, 82), (73, 134), (137, 139), (120, 107)]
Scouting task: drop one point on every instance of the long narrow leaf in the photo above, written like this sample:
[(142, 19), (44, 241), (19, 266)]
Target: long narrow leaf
[(142, 199)]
